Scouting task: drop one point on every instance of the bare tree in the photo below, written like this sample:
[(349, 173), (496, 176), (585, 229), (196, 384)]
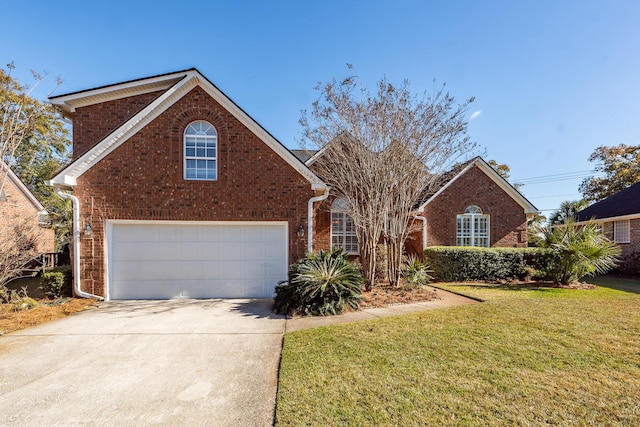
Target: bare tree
[(20, 235), (18, 246), (383, 151)]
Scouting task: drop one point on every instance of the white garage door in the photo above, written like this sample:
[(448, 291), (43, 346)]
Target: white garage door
[(160, 260)]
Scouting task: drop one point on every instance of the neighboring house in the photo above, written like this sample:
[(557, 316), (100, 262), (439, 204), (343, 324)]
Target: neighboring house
[(177, 192), (20, 210), (619, 215)]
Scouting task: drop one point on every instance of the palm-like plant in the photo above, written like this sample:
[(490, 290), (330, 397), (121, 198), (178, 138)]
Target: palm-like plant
[(322, 283), (415, 272), (581, 250)]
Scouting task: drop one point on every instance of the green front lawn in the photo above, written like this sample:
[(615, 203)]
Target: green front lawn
[(525, 356)]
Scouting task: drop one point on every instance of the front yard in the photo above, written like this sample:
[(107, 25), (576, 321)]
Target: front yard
[(526, 356), (12, 319)]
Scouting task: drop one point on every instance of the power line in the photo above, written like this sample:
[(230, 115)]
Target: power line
[(557, 195), (558, 174), (556, 177)]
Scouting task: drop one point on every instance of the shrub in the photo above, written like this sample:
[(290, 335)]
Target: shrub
[(458, 264), (580, 250), (629, 264), (17, 297), (324, 283), (415, 272), (56, 283)]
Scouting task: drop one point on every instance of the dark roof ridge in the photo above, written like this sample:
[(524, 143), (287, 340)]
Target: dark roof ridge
[(624, 202)]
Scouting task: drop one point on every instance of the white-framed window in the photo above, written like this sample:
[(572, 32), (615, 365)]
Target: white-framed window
[(201, 151), (622, 231), (472, 227), (343, 232)]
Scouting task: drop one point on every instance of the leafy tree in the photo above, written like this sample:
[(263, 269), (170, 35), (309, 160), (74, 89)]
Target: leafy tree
[(620, 165), (35, 143), (382, 151), (504, 171), (581, 250), (567, 210)]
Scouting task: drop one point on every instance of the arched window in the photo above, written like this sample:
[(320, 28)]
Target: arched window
[(200, 151), (472, 227), (343, 233)]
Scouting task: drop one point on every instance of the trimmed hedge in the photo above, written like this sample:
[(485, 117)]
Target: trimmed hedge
[(457, 263), (56, 283)]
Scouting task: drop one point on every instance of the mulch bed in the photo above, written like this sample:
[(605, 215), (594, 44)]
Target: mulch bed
[(382, 296)]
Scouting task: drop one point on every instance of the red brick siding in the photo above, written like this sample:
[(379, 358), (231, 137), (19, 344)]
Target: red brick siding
[(143, 179), (508, 222), (93, 123), (322, 225), (17, 210), (634, 245), (630, 252)]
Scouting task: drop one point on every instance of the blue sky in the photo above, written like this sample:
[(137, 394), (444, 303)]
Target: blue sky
[(552, 79)]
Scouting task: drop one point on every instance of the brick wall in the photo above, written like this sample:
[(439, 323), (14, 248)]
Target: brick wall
[(508, 223), (630, 252), (322, 224), (143, 179), (93, 123), (17, 210)]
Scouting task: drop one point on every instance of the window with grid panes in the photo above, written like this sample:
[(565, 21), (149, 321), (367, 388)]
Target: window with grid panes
[(343, 233), (621, 231), (472, 228), (201, 151)]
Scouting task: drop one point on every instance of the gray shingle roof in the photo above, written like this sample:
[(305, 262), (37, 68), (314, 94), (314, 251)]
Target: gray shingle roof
[(625, 202), (303, 155)]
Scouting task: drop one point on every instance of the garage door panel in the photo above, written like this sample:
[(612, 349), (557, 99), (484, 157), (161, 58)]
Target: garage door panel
[(232, 233), (232, 250), (275, 253), (158, 261), (143, 251), (210, 234), (254, 251)]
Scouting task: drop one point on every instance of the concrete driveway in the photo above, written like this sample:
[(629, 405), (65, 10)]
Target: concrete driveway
[(178, 362)]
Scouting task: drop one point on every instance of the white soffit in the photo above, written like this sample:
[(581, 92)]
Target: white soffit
[(69, 102)]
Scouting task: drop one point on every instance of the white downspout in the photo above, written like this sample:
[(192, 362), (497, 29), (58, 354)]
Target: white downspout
[(76, 244), (424, 228), (310, 218)]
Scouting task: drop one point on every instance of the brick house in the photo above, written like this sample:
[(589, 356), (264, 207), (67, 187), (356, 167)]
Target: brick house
[(474, 206), (619, 215), (178, 192), (20, 208)]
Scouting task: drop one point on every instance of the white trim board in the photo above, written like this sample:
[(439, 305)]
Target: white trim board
[(67, 178), (495, 177)]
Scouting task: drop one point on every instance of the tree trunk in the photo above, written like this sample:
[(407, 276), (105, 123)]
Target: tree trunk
[(394, 262), (368, 260)]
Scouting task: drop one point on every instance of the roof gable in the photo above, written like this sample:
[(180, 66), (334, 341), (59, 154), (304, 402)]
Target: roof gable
[(175, 86), (494, 176), (69, 102), (22, 188), (623, 203)]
